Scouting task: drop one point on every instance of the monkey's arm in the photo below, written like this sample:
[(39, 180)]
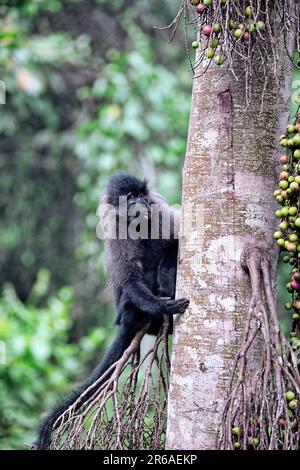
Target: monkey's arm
[(138, 293)]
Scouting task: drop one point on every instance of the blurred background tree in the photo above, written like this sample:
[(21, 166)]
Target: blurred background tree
[(92, 88)]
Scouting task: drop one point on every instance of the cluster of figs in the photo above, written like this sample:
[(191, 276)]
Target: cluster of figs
[(288, 238), (288, 233), (253, 442), (237, 437), (240, 31)]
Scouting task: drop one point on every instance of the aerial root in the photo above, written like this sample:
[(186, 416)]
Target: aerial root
[(127, 410), (261, 411)]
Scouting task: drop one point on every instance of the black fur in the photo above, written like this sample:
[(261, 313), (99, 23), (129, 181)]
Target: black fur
[(143, 277)]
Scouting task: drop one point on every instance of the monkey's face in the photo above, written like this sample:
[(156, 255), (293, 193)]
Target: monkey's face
[(138, 207), (128, 206), (129, 196)]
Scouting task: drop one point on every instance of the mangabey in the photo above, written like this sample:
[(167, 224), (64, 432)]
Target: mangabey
[(142, 272)]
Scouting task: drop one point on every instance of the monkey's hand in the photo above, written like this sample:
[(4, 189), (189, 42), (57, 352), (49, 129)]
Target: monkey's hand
[(178, 306)]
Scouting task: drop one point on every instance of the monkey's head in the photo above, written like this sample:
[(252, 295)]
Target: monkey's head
[(133, 191), (128, 200)]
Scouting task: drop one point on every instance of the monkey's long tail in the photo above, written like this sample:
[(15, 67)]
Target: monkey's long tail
[(115, 352)]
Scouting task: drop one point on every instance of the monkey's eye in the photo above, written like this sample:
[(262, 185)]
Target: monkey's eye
[(142, 196)]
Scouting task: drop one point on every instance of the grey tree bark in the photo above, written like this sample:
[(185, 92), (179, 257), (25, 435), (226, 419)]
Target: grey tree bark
[(229, 175)]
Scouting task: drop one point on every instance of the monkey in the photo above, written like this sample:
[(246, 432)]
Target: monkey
[(141, 270)]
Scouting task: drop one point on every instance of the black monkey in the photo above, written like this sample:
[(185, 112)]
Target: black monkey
[(142, 272)]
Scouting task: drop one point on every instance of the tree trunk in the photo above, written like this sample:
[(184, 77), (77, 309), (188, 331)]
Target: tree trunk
[(229, 176)]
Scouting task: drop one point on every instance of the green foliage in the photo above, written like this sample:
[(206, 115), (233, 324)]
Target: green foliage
[(40, 363), (33, 202), (89, 92), (138, 125), (138, 122)]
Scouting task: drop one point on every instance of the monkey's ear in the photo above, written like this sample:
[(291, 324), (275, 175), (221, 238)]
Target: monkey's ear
[(146, 185)]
